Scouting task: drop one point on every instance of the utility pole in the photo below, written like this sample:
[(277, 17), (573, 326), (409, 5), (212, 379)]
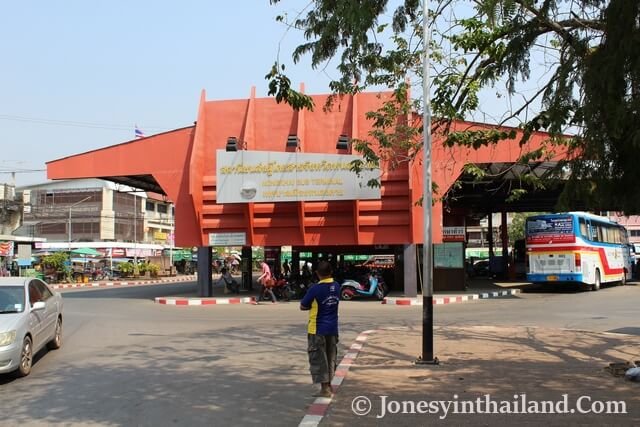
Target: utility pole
[(69, 223), (171, 237), (135, 231)]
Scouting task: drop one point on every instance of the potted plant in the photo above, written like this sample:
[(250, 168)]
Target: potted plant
[(142, 269), (153, 269), (126, 268)]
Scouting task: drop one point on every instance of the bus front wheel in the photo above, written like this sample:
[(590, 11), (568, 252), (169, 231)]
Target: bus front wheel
[(596, 285)]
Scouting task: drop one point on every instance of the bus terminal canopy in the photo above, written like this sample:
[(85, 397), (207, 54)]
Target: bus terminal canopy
[(182, 164), (493, 191)]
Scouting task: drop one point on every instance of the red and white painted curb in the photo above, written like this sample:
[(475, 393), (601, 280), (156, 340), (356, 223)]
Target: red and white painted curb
[(318, 409), (116, 284), (451, 299), (205, 301)]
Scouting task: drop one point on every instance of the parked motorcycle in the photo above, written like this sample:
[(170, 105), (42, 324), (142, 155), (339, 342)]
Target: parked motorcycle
[(373, 286), (298, 286), (281, 289)]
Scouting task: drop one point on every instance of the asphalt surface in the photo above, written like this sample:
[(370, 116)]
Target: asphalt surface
[(128, 361)]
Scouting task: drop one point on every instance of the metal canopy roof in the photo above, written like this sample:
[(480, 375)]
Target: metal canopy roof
[(491, 192), (142, 182)]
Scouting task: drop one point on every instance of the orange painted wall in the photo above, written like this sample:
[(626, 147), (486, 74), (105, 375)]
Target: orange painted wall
[(165, 156), (184, 163)]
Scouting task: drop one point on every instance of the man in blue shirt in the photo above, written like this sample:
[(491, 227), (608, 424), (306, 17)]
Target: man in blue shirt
[(322, 301)]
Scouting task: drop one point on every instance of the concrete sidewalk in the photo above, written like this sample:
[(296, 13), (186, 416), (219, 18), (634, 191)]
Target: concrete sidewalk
[(477, 289), (451, 298), (125, 282), (523, 364)]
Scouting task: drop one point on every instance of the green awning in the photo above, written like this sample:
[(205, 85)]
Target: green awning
[(86, 251), (179, 254)]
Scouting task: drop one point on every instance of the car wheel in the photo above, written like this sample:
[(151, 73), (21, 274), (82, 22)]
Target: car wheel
[(56, 342), (26, 358), (596, 285)]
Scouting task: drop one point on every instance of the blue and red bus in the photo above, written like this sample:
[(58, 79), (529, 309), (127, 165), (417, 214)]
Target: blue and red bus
[(577, 247)]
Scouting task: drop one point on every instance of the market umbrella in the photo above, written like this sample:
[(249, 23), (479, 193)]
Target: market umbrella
[(42, 253), (86, 252)]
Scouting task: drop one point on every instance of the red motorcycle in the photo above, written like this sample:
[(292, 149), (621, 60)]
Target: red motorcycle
[(280, 288)]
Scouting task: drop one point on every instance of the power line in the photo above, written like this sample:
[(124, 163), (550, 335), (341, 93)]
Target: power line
[(2, 170), (71, 123)]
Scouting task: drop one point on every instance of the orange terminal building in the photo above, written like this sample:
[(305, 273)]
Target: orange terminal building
[(181, 164)]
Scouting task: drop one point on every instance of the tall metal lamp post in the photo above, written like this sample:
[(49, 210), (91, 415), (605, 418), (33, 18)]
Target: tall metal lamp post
[(135, 222), (135, 233), (135, 225), (427, 357)]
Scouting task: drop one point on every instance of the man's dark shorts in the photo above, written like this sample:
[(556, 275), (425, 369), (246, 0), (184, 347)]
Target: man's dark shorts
[(323, 357)]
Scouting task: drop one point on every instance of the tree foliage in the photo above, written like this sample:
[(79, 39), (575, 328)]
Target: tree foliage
[(517, 226), (56, 260), (570, 68)]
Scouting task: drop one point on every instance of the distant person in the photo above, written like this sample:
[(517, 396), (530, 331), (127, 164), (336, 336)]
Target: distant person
[(229, 282), (235, 266), (321, 300), (286, 268), (266, 283), (306, 273)]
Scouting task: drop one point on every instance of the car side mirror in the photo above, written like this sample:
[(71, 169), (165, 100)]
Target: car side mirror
[(40, 305)]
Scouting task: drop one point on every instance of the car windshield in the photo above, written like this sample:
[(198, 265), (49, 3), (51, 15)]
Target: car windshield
[(11, 299)]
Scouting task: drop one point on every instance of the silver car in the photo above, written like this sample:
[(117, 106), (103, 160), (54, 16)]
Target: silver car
[(30, 318)]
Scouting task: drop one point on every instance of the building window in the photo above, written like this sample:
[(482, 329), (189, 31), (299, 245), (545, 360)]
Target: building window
[(474, 235), (150, 206), (634, 233), (162, 208)]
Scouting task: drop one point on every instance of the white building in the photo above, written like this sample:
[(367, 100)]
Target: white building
[(93, 210)]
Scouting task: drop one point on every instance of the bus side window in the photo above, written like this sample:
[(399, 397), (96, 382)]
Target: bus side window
[(583, 229), (600, 230), (606, 233), (593, 232)]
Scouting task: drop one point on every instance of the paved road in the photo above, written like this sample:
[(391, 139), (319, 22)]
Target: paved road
[(127, 361)]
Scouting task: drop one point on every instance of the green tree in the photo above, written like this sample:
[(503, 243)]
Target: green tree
[(56, 261), (583, 90), (516, 228)]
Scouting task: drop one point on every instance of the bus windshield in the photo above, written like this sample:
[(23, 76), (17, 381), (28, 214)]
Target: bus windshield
[(550, 229)]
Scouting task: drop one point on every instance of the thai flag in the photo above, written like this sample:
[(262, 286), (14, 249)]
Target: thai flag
[(139, 133)]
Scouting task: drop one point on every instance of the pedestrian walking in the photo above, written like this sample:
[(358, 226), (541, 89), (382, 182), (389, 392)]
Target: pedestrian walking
[(267, 282), (322, 302), (286, 268)]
